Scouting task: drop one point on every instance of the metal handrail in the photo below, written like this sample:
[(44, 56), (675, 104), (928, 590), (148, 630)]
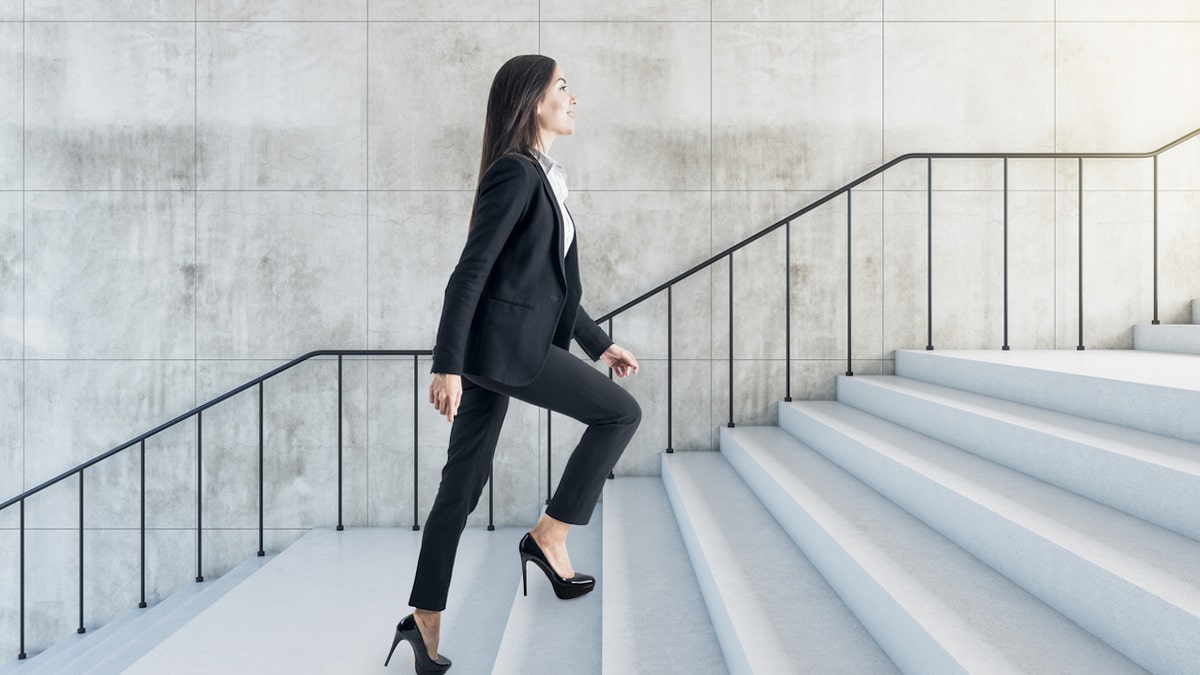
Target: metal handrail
[(875, 172), (199, 409)]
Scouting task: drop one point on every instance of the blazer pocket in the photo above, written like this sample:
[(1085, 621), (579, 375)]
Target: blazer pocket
[(511, 303)]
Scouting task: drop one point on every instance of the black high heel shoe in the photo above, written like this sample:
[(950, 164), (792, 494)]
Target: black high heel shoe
[(407, 630), (565, 589)]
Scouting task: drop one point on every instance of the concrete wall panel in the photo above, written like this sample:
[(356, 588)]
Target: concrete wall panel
[(110, 106), (141, 244)]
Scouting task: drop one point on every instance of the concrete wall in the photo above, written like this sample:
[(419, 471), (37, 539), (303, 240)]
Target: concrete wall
[(192, 192)]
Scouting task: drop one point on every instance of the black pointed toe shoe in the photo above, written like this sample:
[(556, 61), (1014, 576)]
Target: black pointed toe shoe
[(407, 630), (565, 589)]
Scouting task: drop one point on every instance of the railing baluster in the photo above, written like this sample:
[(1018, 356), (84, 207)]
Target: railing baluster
[(340, 527), (787, 310), (142, 602), (731, 424), (21, 654), (199, 497), (1080, 345), (849, 291), (610, 377), (549, 455), (1005, 347), (929, 254), (1155, 321), (416, 445), (670, 357), (491, 497), (261, 551), (81, 630)]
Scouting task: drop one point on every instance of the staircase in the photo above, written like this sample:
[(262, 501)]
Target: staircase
[(979, 511)]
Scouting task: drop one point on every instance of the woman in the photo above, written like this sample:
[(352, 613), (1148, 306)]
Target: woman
[(511, 308)]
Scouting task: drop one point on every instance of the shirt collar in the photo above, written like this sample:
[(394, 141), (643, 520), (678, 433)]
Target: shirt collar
[(547, 162)]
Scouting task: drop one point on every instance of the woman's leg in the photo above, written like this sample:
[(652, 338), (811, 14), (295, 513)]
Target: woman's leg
[(569, 386), (473, 438)]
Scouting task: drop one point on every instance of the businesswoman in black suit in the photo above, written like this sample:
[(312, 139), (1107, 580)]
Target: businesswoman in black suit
[(511, 308)]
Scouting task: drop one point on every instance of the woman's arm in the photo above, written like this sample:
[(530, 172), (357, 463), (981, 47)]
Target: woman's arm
[(591, 337), (504, 194)]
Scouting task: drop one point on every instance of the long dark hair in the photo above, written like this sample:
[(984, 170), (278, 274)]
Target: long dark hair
[(511, 126)]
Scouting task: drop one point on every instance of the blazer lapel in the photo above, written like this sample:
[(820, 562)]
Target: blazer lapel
[(560, 233)]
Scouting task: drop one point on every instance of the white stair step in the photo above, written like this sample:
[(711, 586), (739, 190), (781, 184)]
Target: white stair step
[(772, 611), (1156, 478), (931, 605), (545, 635), (1152, 391), (126, 648), (115, 632), (655, 620), (73, 641), (1178, 338), (330, 602), (1080, 557)]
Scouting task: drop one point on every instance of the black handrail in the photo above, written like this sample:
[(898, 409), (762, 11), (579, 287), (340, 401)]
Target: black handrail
[(871, 174), (199, 409)]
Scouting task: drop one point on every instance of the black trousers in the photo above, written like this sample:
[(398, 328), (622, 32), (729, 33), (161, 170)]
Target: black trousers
[(565, 385)]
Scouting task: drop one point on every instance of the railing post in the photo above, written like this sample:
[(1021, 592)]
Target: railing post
[(21, 653), (731, 424), (340, 527), (199, 497), (261, 551), (849, 290), (670, 357), (787, 310), (929, 254), (610, 377), (1155, 321), (1005, 346), (416, 446), (81, 630), (1080, 345), (142, 602), (491, 497)]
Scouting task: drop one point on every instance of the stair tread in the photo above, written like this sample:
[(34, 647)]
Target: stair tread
[(330, 603), (574, 624), (1152, 391), (984, 620), (1159, 369), (1173, 338), (1152, 557), (785, 615), (1165, 451), (136, 641), (130, 623), (655, 619)]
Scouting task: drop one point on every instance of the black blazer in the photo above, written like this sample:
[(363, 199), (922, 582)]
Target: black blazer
[(512, 295)]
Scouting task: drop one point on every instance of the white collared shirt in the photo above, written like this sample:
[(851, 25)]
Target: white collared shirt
[(558, 182)]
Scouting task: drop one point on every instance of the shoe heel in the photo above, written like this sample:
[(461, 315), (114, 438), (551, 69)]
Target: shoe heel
[(393, 649), (524, 579)]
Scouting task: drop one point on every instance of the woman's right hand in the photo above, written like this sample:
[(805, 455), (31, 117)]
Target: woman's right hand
[(445, 393)]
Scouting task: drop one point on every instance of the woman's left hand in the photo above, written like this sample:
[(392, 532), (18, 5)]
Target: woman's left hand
[(620, 360)]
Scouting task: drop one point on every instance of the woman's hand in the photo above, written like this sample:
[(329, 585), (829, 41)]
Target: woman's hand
[(445, 393), (620, 360)]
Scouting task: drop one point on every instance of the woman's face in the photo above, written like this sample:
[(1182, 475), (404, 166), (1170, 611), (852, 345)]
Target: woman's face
[(556, 110)]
